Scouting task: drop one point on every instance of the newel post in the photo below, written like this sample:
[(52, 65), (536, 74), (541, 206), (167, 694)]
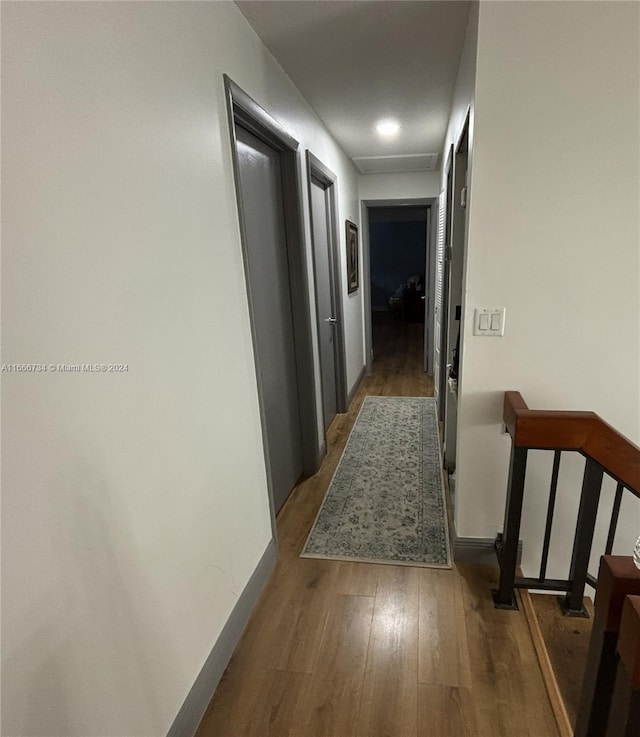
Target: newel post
[(618, 577)]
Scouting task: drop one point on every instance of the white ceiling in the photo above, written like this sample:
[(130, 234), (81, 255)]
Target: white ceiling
[(358, 62)]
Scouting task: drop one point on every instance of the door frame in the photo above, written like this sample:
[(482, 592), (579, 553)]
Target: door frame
[(443, 386), (431, 203), (458, 237), (246, 112), (317, 170)]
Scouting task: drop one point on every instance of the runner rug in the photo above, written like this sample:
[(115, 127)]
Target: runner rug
[(386, 501)]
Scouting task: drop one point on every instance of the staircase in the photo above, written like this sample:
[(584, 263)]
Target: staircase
[(608, 704)]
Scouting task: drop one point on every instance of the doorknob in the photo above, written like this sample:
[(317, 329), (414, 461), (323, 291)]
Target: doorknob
[(331, 320)]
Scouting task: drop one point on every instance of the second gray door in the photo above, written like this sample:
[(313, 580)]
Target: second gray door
[(327, 318), (260, 178)]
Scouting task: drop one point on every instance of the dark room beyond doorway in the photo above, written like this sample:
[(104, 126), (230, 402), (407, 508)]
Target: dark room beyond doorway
[(398, 269)]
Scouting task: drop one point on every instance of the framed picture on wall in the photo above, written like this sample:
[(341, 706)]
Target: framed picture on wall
[(353, 273)]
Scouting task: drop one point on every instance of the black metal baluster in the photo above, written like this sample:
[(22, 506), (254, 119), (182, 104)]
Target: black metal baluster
[(614, 519), (550, 509), (504, 597), (572, 604)]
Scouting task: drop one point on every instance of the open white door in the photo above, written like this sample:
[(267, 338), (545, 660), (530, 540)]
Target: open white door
[(438, 290), (429, 295)]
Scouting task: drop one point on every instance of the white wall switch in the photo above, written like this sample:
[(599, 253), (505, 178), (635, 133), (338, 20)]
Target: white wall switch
[(489, 321)]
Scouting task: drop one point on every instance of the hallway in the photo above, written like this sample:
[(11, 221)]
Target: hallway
[(338, 649), (137, 532)]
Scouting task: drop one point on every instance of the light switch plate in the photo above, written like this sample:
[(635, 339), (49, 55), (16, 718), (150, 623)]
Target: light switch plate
[(489, 321)]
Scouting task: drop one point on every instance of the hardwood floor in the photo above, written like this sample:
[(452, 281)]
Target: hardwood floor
[(340, 649), (567, 642)]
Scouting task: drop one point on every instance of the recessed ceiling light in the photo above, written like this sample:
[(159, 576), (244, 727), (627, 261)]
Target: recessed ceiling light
[(388, 127)]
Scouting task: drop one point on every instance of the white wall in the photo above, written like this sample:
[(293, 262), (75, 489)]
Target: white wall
[(403, 185), (553, 237), (135, 504), (463, 95)]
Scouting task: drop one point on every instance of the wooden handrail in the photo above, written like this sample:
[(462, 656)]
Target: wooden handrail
[(584, 432)]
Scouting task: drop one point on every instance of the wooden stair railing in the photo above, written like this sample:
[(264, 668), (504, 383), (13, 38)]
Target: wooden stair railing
[(607, 452)]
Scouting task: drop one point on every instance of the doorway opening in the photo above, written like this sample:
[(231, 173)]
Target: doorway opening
[(398, 278)]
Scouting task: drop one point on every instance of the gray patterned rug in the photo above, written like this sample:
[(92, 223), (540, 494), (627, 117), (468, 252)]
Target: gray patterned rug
[(386, 503)]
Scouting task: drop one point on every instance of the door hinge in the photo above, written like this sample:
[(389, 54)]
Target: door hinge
[(448, 253), (463, 197)]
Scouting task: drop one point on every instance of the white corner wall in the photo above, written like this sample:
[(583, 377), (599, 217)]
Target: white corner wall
[(402, 185), (463, 100), (134, 505), (553, 237)]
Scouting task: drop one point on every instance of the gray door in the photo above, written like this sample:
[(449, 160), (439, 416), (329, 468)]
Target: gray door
[(325, 304), (260, 179), (455, 298)]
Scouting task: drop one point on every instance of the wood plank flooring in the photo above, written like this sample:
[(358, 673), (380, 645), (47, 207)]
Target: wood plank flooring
[(567, 642), (340, 649)]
